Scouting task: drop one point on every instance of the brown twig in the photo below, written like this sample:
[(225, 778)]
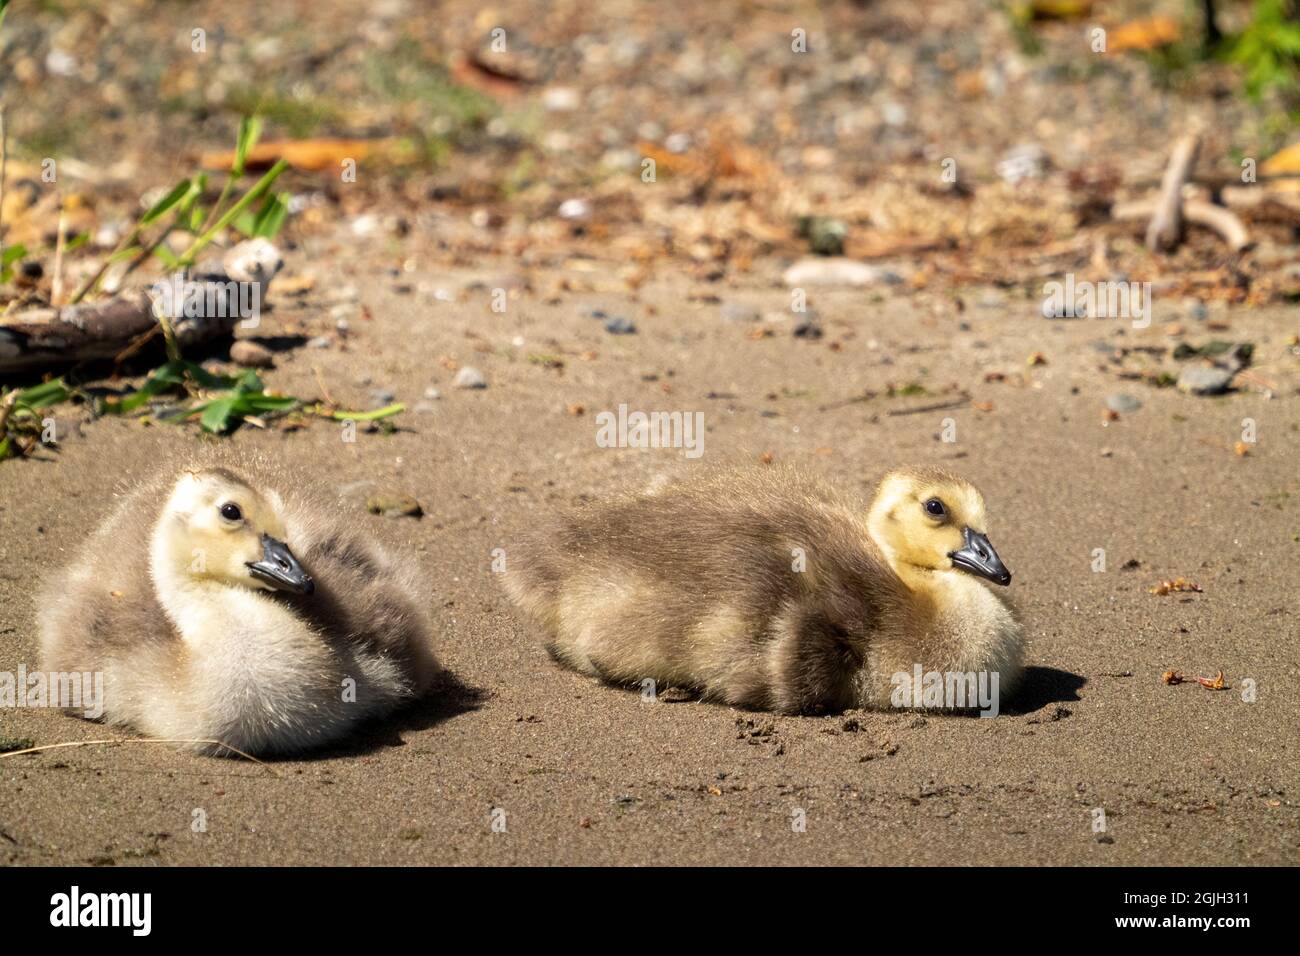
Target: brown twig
[(56, 284), (935, 407), (139, 343), (142, 740), (325, 392), (146, 252), (1247, 376), (1217, 218), (1166, 227)]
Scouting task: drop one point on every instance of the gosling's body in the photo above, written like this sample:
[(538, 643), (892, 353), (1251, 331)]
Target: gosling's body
[(766, 590), (188, 655)]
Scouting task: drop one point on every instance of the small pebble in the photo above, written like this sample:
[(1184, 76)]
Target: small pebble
[(470, 377), (834, 271), (620, 326), (739, 312), (319, 342), (251, 354), (575, 209), (1120, 402), (1204, 380)]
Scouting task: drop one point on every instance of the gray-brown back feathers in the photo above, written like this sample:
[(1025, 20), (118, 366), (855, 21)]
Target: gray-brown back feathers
[(759, 589)]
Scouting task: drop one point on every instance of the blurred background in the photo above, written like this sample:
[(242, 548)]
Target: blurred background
[(975, 141)]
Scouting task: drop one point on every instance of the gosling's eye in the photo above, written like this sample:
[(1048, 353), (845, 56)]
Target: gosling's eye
[(935, 507), (230, 511)]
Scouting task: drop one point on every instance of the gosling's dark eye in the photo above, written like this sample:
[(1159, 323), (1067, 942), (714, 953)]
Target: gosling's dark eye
[(230, 511), (935, 507)]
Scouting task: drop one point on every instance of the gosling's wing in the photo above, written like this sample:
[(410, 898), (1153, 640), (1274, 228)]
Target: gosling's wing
[(739, 533), (365, 597), (102, 605)]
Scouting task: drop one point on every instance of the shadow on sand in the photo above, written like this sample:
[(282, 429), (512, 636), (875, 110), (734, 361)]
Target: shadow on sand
[(447, 698), (1043, 686)]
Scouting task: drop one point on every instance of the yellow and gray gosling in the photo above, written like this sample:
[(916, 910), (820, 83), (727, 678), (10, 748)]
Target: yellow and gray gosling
[(770, 590), (223, 604)]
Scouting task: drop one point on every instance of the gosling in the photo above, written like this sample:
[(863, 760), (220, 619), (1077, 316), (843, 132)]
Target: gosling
[(225, 605), (773, 591)]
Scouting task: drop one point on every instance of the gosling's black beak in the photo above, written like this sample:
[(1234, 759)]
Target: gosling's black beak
[(979, 558), (280, 569)]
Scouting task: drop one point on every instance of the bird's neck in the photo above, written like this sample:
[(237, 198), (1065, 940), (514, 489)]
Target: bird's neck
[(205, 613)]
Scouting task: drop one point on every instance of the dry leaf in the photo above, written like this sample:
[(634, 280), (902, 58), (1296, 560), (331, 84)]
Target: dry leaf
[(469, 70), (295, 285), (1176, 585), (1283, 161), (1215, 683), (1148, 33), (308, 154)]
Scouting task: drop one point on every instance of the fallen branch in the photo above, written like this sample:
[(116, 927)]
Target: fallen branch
[(90, 331), (1262, 204), (1222, 221), (934, 407), (1165, 230)]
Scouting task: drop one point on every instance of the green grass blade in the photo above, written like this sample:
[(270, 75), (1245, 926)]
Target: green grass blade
[(250, 131), (378, 413), (250, 197), (178, 192)]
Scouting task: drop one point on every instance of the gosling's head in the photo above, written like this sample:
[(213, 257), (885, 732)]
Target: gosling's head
[(216, 527), (932, 520)]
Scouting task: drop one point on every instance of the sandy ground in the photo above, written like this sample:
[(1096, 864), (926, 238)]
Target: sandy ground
[(590, 774)]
